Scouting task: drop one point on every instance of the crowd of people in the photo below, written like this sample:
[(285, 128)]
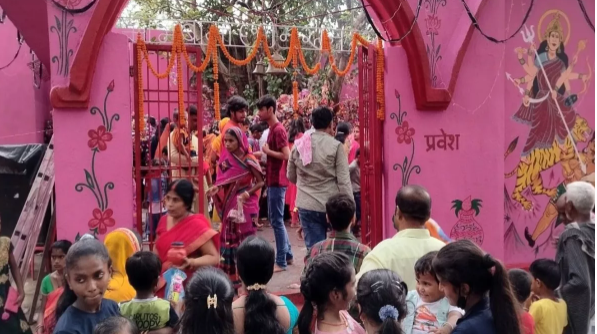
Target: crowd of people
[(413, 283)]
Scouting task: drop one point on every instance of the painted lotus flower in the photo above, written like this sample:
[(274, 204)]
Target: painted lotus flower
[(110, 87), (70, 4), (101, 220), (98, 138), (405, 134), (433, 24)]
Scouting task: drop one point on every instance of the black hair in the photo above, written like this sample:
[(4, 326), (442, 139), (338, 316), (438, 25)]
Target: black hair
[(327, 272), (80, 249), (424, 265), (63, 245), (296, 126), (321, 117), (165, 150), (192, 109), (547, 271), (185, 190), (340, 209), (143, 270), (561, 54), (267, 101), (255, 264), (462, 262), (357, 153), (163, 122), (115, 325), (342, 131), (256, 128), (153, 122), (236, 103), (381, 292), (520, 282), (415, 203), (199, 317)]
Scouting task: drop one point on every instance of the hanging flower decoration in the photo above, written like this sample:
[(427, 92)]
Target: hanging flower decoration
[(98, 138), (101, 220)]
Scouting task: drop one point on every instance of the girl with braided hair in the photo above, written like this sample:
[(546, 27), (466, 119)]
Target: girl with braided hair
[(381, 296), (328, 287)]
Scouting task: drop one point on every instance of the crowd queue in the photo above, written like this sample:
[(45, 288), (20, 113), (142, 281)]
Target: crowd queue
[(413, 283)]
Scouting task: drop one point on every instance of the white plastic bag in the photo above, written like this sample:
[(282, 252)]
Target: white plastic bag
[(237, 215)]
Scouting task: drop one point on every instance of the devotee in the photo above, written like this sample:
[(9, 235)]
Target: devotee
[(258, 311), (295, 132), (521, 282), (354, 169), (121, 244), (474, 281), (319, 167), (236, 197), (201, 242), (276, 149), (548, 311), (236, 108), (413, 240), (576, 257)]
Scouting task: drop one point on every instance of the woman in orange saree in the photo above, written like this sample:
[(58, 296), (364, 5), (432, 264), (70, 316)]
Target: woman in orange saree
[(201, 242), (49, 316)]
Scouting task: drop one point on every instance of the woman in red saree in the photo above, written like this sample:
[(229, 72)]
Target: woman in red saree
[(238, 184), (201, 242)]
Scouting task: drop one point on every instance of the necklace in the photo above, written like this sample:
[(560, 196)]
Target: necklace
[(344, 323)]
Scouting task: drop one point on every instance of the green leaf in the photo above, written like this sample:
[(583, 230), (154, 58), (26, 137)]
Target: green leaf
[(89, 179)]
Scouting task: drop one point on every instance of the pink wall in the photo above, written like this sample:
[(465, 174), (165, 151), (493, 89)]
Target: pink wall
[(467, 183), (24, 107), (94, 152)]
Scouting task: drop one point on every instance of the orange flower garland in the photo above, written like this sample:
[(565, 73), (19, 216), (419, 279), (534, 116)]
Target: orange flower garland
[(295, 55), (141, 113), (182, 115)]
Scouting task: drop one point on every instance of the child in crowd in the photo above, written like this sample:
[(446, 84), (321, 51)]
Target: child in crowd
[(466, 275), (146, 310), (156, 191), (328, 286), (340, 214), (521, 281), (87, 274), (208, 303), (116, 325), (549, 312), (355, 179), (51, 287), (429, 311), (381, 297)]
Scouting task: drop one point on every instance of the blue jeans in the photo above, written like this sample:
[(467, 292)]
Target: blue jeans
[(275, 210), (314, 226)]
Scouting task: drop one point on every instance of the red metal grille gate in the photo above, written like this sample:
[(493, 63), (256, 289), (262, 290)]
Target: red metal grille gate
[(371, 141), (160, 99)]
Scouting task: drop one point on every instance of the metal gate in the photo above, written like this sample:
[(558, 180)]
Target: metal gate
[(371, 141), (160, 98)]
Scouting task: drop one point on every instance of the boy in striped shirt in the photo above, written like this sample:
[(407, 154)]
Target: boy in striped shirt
[(340, 210)]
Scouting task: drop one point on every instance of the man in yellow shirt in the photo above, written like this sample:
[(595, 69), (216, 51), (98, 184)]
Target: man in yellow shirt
[(549, 312), (413, 240)]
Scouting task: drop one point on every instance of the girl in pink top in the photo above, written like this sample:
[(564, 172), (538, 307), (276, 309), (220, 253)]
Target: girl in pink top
[(328, 287), (381, 296)]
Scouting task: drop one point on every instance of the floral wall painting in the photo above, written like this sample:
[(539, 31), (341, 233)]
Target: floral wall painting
[(98, 139), (433, 24), (551, 79), (404, 136), (62, 27), (467, 227)]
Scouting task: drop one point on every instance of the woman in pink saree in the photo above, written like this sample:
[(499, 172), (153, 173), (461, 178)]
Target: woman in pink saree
[(236, 197)]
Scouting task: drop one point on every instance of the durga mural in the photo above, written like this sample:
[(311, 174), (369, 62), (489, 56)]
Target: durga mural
[(548, 108)]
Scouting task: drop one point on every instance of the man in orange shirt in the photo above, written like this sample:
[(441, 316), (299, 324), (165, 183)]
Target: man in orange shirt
[(237, 109)]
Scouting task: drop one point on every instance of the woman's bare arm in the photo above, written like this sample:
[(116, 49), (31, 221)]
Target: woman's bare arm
[(210, 256)]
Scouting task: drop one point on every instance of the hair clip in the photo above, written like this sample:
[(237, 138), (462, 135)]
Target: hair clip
[(256, 287), (376, 286), (212, 301), (388, 311)]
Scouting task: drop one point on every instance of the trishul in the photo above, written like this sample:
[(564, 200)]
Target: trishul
[(528, 35)]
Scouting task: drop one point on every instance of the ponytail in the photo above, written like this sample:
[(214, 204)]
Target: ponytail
[(305, 319), (391, 326), (381, 295), (67, 298), (501, 299), (260, 314)]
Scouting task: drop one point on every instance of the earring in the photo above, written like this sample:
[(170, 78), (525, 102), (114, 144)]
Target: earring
[(547, 48)]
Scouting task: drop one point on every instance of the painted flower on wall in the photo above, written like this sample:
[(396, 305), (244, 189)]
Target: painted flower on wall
[(70, 4), (433, 24), (101, 220), (110, 87), (98, 138), (405, 133)]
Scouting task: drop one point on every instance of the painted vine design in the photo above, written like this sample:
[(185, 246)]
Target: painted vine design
[(63, 27), (433, 24), (98, 142), (405, 136)]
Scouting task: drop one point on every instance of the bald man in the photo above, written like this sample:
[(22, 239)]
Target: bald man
[(413, 240)]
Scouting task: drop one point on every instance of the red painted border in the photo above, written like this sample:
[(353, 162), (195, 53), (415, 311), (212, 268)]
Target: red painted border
[(76, 94), (426, 96)]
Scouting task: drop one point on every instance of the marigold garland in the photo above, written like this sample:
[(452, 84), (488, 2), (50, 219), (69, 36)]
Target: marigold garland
[(295, 55), (141, 113)]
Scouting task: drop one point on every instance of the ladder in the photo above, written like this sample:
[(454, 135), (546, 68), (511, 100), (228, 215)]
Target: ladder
[(26, 233)]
